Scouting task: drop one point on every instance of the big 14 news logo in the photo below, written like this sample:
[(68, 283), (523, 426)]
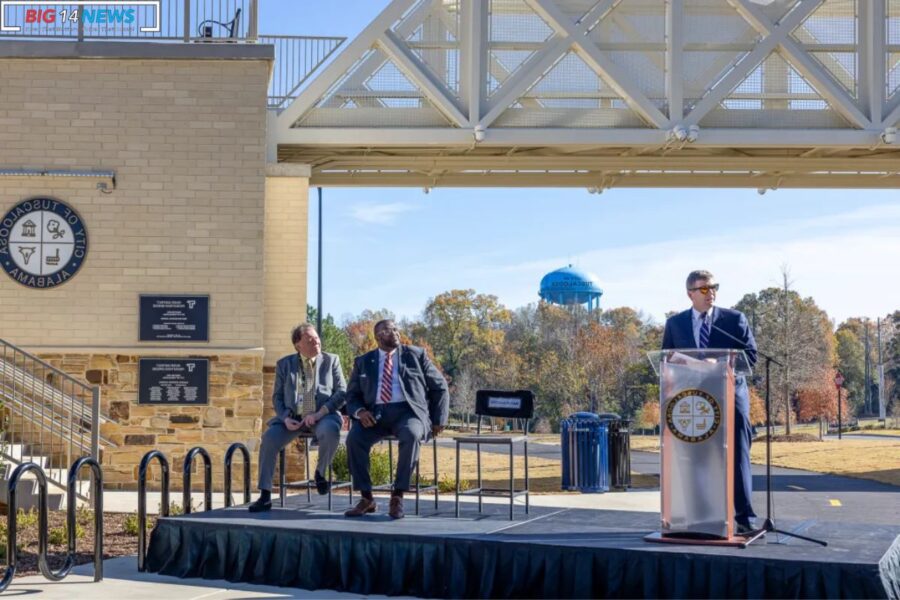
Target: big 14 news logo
[(102, 16)]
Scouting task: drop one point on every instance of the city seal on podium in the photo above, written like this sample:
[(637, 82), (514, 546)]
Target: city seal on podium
[(693, 416)]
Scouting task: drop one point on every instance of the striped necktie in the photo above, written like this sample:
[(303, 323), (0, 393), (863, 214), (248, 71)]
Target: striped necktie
[(704, 332), (387, 379)]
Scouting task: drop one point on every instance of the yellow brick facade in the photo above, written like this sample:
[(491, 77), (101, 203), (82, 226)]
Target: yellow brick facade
[(192, 212)]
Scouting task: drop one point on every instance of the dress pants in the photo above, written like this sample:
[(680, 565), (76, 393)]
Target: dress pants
[(398, 419), (277, 436), (743, 478)]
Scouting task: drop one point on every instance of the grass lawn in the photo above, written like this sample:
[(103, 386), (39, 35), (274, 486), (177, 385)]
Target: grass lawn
[(544, 474), (867, 459), (888, 432)]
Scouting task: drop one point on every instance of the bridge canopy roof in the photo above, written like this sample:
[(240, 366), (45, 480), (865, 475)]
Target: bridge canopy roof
[(604, 93)]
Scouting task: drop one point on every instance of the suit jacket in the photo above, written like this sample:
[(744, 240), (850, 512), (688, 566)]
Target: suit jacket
[(421, 383), (330, 385), (679, 333)]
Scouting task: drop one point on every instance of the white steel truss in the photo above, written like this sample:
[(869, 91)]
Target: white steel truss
[(602, 93)]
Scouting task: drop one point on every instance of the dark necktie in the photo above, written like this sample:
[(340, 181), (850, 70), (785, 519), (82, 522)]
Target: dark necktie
[(704, 332), (387, 379)]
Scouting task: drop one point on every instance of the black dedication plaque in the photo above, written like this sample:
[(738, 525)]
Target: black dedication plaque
[(173, 381), (174, 318)]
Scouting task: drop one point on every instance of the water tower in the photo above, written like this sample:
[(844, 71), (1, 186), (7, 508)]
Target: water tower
[(570, 286)]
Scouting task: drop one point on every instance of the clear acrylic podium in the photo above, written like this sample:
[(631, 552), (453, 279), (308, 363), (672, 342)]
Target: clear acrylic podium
[(696, 407)]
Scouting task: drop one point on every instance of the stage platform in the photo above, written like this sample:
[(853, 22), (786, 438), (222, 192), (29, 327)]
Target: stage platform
[(551, 553)]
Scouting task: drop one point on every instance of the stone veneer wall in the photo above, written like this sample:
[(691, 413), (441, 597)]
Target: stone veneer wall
[(240, 392), (234, 414)]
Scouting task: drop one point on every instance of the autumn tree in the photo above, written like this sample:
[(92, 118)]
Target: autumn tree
[(818, 400), (464, 328), (649, 415)]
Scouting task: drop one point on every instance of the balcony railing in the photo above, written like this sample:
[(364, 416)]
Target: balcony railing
[(296, 59), (139, 20)]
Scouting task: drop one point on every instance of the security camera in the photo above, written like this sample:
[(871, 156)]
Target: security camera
[(889, 135), (479, 133)]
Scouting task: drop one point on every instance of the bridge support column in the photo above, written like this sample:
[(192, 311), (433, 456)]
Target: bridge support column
[(286, 249)]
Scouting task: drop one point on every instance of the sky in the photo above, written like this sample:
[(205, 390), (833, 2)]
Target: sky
[(395, 248)]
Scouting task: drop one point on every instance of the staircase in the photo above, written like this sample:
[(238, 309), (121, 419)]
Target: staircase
[(50, 419)]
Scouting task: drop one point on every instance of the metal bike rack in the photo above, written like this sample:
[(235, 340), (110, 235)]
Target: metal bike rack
[(11, 521), (207, 478), (43, 523), (97, 495), (142, 500), (229, 455)]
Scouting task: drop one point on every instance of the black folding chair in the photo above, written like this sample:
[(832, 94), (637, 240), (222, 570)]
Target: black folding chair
[(417, 486), (517, 406)]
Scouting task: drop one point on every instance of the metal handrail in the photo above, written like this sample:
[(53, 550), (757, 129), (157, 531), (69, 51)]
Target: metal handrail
[(229, 456), (176, 22), (142, 501), (207, 478), (72, 509), (54, 414), (12, 508), (296, 59)]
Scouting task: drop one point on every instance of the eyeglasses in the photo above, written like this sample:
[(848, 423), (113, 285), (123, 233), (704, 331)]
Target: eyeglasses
[(704, 289)]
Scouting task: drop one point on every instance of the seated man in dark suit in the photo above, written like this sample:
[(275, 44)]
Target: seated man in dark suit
[(394, 390), (707, 326), (309, 392)]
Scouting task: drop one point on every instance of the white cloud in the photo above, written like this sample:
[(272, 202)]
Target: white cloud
[(380, 214), (847, 263)]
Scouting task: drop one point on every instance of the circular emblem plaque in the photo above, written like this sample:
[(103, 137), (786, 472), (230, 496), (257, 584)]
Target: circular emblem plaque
[(43, 243), (693, 416)]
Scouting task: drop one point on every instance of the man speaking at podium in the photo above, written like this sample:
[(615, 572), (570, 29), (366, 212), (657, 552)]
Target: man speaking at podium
[(707, 326)]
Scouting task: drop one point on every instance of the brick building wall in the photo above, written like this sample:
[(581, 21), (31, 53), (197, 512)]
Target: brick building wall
[(192, 212)]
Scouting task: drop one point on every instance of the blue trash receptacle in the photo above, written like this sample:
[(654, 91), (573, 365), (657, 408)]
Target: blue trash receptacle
[(585, 453)]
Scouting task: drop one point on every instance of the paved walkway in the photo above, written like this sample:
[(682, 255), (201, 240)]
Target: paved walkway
[(121, 580)]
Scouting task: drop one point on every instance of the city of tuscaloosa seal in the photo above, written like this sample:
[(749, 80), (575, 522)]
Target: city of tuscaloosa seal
[(693, 416), (43, 243)]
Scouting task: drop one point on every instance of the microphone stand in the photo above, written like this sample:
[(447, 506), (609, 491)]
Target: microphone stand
[(769, 523)]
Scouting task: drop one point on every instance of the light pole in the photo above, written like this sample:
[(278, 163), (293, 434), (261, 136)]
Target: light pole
[(838, 382)]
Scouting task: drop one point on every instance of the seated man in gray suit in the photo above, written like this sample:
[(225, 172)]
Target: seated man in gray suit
[(394, 390), (309, 392)]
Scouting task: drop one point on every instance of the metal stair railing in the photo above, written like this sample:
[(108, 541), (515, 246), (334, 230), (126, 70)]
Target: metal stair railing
[(49, 414)]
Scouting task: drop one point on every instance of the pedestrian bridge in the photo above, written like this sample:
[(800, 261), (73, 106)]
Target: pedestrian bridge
[(762, 94)]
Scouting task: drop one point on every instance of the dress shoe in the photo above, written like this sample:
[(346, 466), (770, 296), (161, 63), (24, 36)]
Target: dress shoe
[(322, 484), (362, 507), (261, 505), (396, 508), (743, 529)]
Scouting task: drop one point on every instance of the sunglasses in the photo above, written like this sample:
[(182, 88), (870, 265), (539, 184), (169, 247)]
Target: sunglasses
[(704, 289)]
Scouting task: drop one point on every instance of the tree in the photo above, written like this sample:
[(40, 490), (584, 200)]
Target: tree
[(851, 362), (649, 415), (818, 400), (796, 332), (334, 339), (757, 408), (464, 327)]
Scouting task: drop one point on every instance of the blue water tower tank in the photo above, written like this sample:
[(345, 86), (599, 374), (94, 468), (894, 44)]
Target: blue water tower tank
[(568, 286)]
